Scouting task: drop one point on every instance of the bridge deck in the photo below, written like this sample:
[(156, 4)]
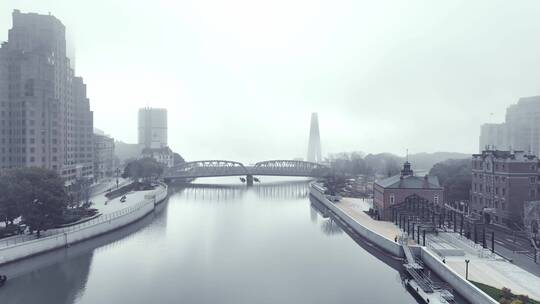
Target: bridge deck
[(217, 168)]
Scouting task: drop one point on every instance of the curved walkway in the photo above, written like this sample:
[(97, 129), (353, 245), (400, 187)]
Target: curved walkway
[(114, 214)]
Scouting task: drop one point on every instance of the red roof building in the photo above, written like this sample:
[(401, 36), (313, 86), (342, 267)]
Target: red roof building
[(395, 189)]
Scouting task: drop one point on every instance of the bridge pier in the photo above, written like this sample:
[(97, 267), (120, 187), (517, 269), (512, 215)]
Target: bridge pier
[(249, 180)]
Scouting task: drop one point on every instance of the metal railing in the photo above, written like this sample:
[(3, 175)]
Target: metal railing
[(11, 241)]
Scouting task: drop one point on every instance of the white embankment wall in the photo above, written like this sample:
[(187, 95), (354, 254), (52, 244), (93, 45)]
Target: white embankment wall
[(470, 292), (86, 230), (465, 288), (378, 239)]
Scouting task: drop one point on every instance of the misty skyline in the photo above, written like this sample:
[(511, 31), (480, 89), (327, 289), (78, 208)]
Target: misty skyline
[(240, 78)]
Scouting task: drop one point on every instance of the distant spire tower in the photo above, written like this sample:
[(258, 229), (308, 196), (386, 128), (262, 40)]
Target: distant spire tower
[(314, 153)]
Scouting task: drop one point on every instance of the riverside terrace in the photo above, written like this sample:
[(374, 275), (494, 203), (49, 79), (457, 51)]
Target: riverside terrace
[(449, 245)]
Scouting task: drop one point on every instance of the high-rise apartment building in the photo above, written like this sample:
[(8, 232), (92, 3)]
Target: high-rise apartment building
[(523, 124), (153, 128), (103, 155), (493, 136), (520, 131), (45, 117)]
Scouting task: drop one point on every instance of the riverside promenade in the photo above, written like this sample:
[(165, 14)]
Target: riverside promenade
[(113, 214), (357, 208), (382, 234), (484, 267)]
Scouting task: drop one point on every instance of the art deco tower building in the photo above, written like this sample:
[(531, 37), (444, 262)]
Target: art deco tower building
[(45, 117)]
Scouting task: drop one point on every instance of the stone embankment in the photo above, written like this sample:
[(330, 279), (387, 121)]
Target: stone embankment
[(141, 205), (380, 234)]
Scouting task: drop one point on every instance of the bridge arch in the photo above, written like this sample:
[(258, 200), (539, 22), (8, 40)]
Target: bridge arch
[(206, 168), (216, 168), (280, 167)]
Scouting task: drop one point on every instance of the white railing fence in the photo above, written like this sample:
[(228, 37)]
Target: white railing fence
[(61, 232)]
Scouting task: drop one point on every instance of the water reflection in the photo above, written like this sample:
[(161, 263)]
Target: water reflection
[(59, 284), (262, 246), (60, 276), (221, 193), (328, 225)]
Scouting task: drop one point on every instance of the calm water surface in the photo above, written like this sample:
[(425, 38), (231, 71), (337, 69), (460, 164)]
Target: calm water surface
[(215, 244)]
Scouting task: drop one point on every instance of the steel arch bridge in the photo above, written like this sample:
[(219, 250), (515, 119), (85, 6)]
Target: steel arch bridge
[(206, 168), (289, 168), (217, 168)]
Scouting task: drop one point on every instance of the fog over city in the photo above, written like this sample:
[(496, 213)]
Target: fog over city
[(240, 78)]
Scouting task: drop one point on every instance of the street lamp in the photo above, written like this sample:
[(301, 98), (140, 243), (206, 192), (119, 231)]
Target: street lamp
[(117, 172), (467, 269)]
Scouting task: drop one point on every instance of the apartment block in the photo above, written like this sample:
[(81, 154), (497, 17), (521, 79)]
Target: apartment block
[(153, 128), (103, 156), (45, 117), (502, 181)]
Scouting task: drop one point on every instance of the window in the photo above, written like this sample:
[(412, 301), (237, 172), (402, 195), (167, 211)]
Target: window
[(532, 179), (392, 199), (503, 191), (29, 87), (436, 199), (503, 206)]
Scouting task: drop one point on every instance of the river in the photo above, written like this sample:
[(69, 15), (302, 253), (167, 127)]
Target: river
[(218, 242)]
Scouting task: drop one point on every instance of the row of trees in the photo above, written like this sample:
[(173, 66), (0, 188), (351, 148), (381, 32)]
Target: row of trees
[(455, 176), (144, 168), (386, 164), (356, 163), (36, 195), (39, 198)]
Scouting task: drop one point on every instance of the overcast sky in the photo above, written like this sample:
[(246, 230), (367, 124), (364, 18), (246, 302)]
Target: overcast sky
[(241, 77)]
